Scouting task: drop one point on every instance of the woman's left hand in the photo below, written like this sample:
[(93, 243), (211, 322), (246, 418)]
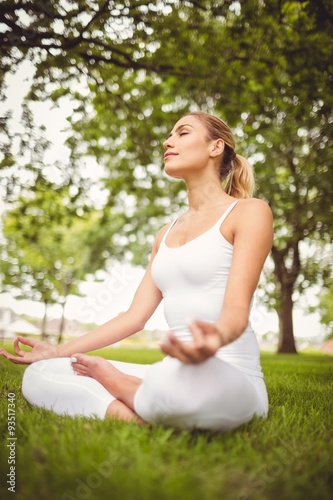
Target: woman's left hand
[(207, 339)]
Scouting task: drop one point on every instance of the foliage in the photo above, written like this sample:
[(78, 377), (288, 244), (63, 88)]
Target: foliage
[(69, 39), (49, 249), (325, 309), (133, 68), (281, 110)]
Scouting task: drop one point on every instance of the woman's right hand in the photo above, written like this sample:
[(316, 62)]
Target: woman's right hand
[(39, 350)]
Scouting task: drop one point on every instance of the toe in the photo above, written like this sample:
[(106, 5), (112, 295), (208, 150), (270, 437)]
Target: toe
[(79, 358)]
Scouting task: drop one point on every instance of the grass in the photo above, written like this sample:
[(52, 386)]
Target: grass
[(288, 456)]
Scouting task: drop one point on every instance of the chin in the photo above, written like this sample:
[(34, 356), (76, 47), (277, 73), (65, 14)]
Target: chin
[(174, 173)]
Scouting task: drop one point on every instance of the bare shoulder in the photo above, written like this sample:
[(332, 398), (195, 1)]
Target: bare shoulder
[(251, 217), (253, 221), (253, 209)]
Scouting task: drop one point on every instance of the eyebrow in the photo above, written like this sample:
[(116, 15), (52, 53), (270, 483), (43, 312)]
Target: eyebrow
[(181, 126)]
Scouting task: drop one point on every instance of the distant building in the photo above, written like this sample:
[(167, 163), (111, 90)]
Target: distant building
[(7, 316), (71, 328), (12, 325)]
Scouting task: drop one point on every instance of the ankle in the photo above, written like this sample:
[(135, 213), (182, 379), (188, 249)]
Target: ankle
[(119, 411)]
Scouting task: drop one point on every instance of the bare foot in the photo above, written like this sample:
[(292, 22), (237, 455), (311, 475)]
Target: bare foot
[(94, 367), (119, 384)]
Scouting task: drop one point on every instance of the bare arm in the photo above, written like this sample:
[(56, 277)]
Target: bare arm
[(145, 301), (252, 236), (252, 243)]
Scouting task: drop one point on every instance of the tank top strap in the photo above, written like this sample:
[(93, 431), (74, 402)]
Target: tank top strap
[(218, 223), (168, 230), (226, 213)]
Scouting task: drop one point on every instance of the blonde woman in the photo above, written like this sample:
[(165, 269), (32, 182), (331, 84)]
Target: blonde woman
[(205, 265)]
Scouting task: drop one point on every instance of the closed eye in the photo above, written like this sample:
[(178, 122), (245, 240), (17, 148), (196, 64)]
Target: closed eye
[(183, 133)]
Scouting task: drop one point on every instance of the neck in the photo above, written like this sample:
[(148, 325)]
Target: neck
[(206, 195)]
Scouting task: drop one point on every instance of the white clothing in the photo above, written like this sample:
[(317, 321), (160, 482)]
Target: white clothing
[(52, 384), (219, 394), (193, 279), (212, 395)]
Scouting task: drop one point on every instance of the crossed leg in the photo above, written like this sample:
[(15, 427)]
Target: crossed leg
[(122, 386)]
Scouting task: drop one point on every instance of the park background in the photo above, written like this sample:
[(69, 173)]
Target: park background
[(89, 89)]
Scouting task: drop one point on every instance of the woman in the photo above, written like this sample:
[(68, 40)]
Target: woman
[(206, 265)]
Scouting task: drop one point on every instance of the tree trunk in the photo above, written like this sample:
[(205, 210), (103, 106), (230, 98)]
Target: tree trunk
[(285, 313), (43, 332), (286, 270), (62, 322)]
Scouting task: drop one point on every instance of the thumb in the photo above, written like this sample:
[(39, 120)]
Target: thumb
[(197, 331)]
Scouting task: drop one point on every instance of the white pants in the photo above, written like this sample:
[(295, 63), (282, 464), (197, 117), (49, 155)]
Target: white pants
[(210, 395)]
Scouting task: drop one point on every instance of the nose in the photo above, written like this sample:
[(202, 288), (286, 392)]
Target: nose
[(168, 143)]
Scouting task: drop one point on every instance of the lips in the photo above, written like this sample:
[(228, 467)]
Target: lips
[(168, 154)]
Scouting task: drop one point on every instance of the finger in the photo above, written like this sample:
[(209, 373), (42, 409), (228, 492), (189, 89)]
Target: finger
[(173, 353), (12, 358), (211, 335), (170, 347), (176, 344), (200, 342), (202, 346), (25, 341), (17, 348), (4, 352), (205, 326), (197, 333), (185, 352)]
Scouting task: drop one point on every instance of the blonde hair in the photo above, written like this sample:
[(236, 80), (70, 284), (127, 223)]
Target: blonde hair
[(235, 171)]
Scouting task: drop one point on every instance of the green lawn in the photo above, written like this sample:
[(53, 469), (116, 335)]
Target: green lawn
[(287, 457)]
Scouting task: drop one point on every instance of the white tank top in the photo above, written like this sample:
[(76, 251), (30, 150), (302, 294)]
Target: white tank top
[(193, 278)]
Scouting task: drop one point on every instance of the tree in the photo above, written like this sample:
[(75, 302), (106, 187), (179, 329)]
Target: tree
[(291, 131), (47, 251), (266, 66), (284, 101), (67, 39), (325, 309)]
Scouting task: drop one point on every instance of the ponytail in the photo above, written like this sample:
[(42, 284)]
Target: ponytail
[(234, 170), (240, 181)]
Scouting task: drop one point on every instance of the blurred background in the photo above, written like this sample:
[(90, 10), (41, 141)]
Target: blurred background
[(89, 90)]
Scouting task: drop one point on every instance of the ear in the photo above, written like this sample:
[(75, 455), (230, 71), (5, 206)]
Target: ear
[(217, 148)]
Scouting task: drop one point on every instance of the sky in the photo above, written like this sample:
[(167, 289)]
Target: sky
[(106, 299)]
